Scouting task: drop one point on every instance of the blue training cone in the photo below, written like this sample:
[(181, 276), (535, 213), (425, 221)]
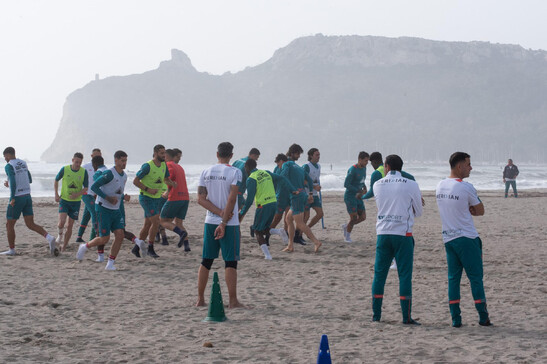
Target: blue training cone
[(324, 352)]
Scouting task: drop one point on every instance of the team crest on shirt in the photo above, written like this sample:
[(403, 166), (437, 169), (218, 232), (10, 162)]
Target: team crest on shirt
[(72, 185), (119, 191), (158, 180)]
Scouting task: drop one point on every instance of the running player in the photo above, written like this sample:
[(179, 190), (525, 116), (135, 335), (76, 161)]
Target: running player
[(89, 201), (313, 169), (217, 193), (109, 188), (150, 179), (355, 189), (254, 153), (399, 201), (299, 179), (74, 185), (178, 199), (283, 196), (261, 189), (458, 202), (19, 180)]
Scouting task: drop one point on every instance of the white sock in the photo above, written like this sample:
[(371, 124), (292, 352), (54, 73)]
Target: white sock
[(266, 251), (8, 252), (49, 237), (60, 231), (275, 232)]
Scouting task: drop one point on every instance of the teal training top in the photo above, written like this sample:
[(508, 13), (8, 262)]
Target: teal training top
[(240, 164), (355, 180), (296, 175)]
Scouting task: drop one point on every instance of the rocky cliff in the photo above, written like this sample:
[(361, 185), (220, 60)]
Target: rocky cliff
[(419, 98)]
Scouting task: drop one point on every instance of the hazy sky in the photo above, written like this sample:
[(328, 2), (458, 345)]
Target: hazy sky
[(50, 48)]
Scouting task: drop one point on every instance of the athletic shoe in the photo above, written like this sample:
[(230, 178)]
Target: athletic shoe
[(151, 251), (393, 265), (268, 257), (164, 241), (80, 240), (347, 239), (8, 252), (100, 258), (110, 265), (298, 239), (136, 251), (411, 322), (486, 323), (186, 246), (344, 230), (81, 251)]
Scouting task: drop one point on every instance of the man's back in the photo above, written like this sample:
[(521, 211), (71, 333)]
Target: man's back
[(218, 180)]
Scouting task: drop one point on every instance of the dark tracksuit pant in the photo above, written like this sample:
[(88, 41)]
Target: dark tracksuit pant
[(465, 253), (402, 249)]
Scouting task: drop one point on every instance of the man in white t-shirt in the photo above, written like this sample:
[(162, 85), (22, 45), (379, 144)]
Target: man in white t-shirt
[(217, 193), (398, 200), (458, 203)]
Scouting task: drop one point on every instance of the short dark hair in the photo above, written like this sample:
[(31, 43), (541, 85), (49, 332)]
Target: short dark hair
[(363, 155), (280, 157), (225, 149), (9, 150), (254, 151), (295, 148), (120, 154), (456, 158), (376, 157), (311, 152), (97, 161), (78, 155), (170, 152), (250, 164), (96, 150), (394, 162), (177, 151), (158, 147)]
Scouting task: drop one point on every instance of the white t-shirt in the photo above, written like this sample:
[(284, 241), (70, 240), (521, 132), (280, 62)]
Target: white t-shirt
[(218, 179), (399, 200), (454, 197)]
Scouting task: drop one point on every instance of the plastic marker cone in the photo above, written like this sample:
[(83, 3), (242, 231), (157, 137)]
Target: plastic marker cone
[(216, 307), (324, 352)]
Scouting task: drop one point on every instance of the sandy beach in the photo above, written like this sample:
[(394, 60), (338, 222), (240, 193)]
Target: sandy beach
[(59, 310)]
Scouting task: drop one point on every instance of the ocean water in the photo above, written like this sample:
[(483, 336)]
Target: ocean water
[(483, 176)]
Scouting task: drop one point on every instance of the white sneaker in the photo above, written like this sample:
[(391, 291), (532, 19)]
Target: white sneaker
[(110, 265), (81, 251), (393, 265), (347, 238), (10, 252), (345, 231), (100, 258)]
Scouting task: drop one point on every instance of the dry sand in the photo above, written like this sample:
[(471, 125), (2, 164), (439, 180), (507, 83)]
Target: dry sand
[(59, 310)]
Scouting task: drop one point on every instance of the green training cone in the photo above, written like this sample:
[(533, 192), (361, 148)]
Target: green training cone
[(216, 307)]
